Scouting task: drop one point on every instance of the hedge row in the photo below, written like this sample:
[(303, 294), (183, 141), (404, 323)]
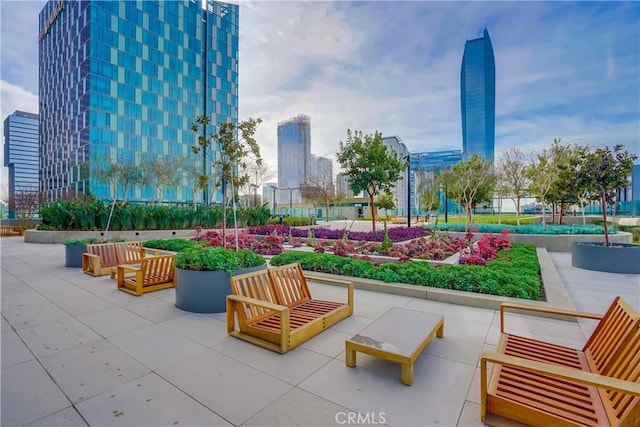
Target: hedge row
[(527, 229)]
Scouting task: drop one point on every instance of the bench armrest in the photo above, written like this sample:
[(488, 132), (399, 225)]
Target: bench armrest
[(550, 310), (333, 281), (556, 371), (285, 323), (257, 302)]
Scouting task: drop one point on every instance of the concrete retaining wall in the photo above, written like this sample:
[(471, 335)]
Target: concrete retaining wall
[(39, 236)]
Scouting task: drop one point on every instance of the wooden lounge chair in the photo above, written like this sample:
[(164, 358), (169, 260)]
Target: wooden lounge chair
[(276, 311), (152, 274), (102, 258), (542, 384)]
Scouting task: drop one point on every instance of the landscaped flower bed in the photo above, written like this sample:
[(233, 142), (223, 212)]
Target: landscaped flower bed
[(396, 234), (515, 272)]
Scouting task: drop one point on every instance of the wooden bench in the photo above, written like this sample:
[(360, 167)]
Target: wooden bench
[(542, 384), (152, 274), (103, 258), (11, 230), (399, 335), (275, 309)]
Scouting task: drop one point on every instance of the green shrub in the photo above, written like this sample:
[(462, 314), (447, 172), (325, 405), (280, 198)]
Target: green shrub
[(514, 273), (175, 245), (93, 215), (217, 259)]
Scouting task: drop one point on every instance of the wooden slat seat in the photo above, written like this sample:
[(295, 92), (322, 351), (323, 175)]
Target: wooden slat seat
[(543, 384), (103, 258), (275, 310), (153, 274)]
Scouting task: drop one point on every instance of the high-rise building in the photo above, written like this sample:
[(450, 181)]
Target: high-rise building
[(399, 191), (21, 154), (122, 81), (294, 156), (478, 98), (425, 167)]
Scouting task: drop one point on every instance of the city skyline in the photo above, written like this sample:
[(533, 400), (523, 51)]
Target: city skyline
[(563, 70)]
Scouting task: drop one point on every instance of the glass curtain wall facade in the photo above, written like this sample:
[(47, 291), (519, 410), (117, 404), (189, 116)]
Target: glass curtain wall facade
[(294, 156), (21, 153), (122, 81), (425, 166), (478, 98)]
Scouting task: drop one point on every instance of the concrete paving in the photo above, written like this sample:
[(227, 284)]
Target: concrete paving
[(76, 351)]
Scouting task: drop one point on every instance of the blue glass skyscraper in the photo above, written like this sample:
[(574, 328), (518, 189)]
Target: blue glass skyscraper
[(21, 153), (294, 155), (122, 81), (478, 98)]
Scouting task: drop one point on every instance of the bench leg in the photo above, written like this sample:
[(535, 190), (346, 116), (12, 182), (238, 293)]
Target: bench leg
[(440, 331), (350, 357), (407, 374)]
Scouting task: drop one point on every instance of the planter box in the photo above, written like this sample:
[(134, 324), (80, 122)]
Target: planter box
[(73, 255), (205, 291), (618, 258)]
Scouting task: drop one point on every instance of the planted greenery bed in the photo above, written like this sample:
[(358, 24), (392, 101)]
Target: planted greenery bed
[(527, 229), (514, 273), (175, 245), (94, 215)]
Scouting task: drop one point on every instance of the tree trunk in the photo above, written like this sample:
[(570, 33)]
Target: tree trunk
[(469, 219), (373, 211), (603, 199), (224, 210), (544, 224), (518, 210)]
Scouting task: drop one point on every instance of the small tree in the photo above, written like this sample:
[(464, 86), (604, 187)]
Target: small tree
[(160, 172), (120, 173), (543, 174), (474, 183), (602, 172), (567, 188), (258, 175), (427, 189), (512, 177), (319, 188), (24, 203), (235, 143), (369, 165), (385, 201)]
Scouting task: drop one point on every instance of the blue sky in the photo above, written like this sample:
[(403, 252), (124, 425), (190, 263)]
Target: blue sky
[(567, 70)]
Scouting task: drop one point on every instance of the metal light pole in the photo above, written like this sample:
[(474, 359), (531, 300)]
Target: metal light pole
[(408, 190)]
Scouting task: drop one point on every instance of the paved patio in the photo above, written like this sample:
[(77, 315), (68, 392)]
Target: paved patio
[(76, 351)]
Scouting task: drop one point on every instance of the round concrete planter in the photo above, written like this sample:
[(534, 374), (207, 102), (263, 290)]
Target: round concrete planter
[(73, 255), (616, 258), (205, 291)]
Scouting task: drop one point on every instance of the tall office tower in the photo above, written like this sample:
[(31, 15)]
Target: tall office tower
[(478, 98), (21, 154), (400, 189), (122, 82), (294, 156)]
